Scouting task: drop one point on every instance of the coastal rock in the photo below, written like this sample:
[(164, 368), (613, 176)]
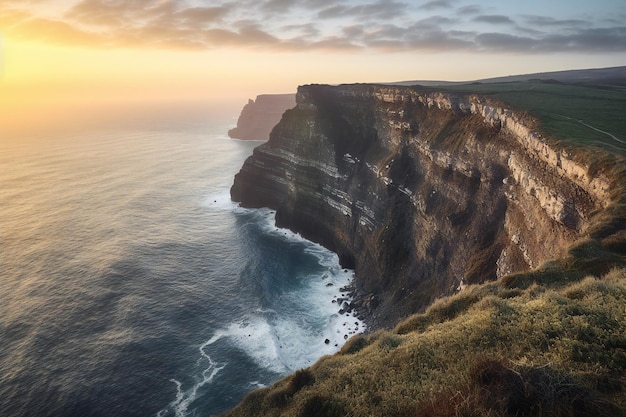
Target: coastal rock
[(421, 192), (259, 116)]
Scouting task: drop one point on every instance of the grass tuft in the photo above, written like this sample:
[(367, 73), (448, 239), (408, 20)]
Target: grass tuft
[(545, 348), (497, 387), (319, 406), (302, 378), (355, 344)]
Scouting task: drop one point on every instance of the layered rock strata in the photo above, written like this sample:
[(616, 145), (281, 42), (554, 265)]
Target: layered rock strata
[(259, 116), (421, 192)]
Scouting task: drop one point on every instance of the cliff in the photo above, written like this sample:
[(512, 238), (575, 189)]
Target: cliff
[(259, 116), (455, 207), (421, 192)]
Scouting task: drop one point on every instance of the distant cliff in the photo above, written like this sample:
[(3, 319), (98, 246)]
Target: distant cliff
[(258, 117), (422, 192)]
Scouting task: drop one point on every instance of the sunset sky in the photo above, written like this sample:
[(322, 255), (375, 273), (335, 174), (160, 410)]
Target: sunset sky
[(63, 52)]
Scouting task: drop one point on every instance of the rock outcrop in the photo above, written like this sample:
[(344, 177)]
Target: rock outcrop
[(259, 116), (421, 192)]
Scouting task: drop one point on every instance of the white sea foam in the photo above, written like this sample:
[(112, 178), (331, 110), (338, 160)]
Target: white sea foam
[(285, 344), (324, 295), (297, 341), (258, 339), (313, 320), (184, 398)]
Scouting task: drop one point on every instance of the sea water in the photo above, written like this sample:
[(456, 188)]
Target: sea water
[(130, 284)]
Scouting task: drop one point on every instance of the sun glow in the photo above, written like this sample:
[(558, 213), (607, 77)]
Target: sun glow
[(59, 56), (44, 84)]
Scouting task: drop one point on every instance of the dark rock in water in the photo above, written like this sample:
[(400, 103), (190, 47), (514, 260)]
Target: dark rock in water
[(421, 192), (258, 117)]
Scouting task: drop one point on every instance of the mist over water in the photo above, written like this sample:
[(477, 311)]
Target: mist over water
[(130, 285)]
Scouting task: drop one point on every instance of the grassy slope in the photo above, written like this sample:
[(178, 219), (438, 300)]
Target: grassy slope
[(500, 349), (562, 107), (549, 342)]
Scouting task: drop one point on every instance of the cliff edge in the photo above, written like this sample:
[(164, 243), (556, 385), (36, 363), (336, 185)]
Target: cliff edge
[(259, 116), (422, 192), (505, 249)]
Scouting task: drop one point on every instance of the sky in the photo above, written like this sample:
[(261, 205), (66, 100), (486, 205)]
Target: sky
[(73, 53)]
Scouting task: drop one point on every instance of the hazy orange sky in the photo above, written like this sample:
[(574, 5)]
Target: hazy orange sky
[(71, 53)]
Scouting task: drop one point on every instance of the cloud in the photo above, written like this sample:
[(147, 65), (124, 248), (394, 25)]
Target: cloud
[(496, 19), (332, 12), (467, 10), (142, 13), (301, 25), (220, 37), (388, 32), (378, 10), (437, 4), (495, 42), (333, 43), (544, 21), (353, 31), (11, 3), (316, 4), (277, 5), (201, 16), (592, 40), (438, 41), (586, 40), (113, 13), (56, 31), (10, 17), (434, 22), (306, 29), (254, 35)]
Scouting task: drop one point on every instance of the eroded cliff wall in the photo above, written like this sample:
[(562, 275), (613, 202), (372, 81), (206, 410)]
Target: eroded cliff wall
[(421, 192), (259, 116)]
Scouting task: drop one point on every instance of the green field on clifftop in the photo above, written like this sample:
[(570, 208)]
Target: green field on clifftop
[(577, 115)]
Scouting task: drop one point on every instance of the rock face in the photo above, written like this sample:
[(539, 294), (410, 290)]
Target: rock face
[(258, 117), (421, 192)]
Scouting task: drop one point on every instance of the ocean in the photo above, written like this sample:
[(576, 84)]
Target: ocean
[(130, 284)]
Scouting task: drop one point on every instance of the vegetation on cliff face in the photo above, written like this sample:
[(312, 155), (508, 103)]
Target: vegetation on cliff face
[(549, 340)]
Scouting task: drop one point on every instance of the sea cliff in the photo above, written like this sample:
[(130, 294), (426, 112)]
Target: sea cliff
[(499, 255), (422, 192), (259, 116)]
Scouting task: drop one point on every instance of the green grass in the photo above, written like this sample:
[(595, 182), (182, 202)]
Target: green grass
[(545, 350), (561, 108)]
